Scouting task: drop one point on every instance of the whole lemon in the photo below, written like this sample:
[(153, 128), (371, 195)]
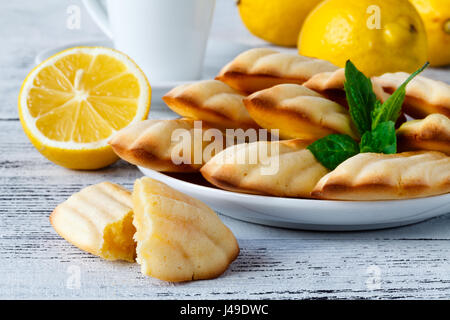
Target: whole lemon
[(276, 21), (379, 36), (436, 16)]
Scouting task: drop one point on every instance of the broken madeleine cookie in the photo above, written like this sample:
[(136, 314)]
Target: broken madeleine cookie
[(298, 113), (179, 238), (278, 168), (431, 133), (373, 176), (331, 86), (163, 145), (212, 101), (261, 68), (424, 96), (98, 219)]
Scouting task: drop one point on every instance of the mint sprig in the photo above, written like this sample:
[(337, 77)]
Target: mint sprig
[(334, 149), (360, 96), (374, 120), (391, 108), (382, 139)]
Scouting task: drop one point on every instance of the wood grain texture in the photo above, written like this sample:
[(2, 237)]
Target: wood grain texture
[(274, 263), (265, 269)]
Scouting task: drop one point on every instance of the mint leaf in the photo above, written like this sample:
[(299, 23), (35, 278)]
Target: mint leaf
[(391, 108), (334, 149), (360, 96), (374, 120), (380, 140)]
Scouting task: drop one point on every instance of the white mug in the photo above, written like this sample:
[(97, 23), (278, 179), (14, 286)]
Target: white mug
[(166, 38)]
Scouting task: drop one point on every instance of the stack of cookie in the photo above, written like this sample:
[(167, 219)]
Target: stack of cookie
[(301, 100)]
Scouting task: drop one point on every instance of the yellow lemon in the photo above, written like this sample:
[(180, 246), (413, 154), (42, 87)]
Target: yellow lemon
[(379, 36), (276, 21), (436, 16), (72, 103)]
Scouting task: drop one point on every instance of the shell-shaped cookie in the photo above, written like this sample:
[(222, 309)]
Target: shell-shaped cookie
[(179, 238), (431, 133), (278, 168), (262, 68), (424, 96), (163, 145), (212, 101), (98, 219), (331, 86), (372, 176), (298, 113)]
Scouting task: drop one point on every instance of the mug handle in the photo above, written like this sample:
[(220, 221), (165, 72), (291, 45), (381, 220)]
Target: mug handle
[(98, 12)]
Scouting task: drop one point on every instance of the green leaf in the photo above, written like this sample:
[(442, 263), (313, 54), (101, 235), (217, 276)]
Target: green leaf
[(360, 96), (334, 149), (380, 140), (375, 121), (391, 108)]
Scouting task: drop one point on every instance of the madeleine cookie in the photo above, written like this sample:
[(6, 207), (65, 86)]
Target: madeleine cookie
[(431, 133), (278, 168), (212, 101), (331, 86), (261, 68), (179, 238), (98, 219), (162, 145), (298, 113), (423, 96), (372, 176)]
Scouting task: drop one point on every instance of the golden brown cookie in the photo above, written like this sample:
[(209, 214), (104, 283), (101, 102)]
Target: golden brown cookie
[(262, 68), (278, 168), (160, 145), (431, 133), (98, 219), (212, 101), (424, 96), (331, 86), (179, 238), (372, 176), (298, 113)]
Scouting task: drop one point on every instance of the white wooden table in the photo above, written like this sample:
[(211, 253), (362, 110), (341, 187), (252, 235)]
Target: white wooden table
[(409, 262)]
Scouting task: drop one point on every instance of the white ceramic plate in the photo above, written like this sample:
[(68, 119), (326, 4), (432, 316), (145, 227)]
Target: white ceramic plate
[(307, 214)]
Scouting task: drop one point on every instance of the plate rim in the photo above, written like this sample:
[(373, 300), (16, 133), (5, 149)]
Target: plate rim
[(292, 201)]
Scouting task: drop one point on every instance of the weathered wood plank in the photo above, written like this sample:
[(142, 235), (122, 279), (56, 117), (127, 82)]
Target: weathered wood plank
[(272, 269)]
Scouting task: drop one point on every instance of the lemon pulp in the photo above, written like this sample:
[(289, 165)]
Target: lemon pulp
[(72, 103)]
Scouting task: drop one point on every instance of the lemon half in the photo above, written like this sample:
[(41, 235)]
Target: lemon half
[(72, 103)]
